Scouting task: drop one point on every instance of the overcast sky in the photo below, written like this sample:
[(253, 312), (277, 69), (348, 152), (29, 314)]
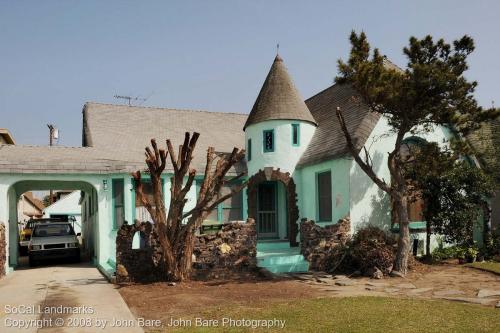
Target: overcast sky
[(209, 55)]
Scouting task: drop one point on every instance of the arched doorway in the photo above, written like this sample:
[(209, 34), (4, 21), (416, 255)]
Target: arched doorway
[(262, 203), (88, 225)]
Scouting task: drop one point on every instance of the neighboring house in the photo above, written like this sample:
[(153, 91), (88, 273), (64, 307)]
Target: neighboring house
[(486, 143), (29, 207), (67, 208), (6, 138), (297, 164)]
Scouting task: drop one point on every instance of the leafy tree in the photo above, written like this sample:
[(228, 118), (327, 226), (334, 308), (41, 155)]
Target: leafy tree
[(176, 228), (431, 91), (454, 192)]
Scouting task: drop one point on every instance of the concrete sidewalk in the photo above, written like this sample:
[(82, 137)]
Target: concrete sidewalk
[(77, 295)]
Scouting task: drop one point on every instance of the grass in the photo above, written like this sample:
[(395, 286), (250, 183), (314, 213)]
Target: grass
[(362, 314), (490, 266)]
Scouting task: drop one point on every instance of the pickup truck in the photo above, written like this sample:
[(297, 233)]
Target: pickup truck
[(53, 240)]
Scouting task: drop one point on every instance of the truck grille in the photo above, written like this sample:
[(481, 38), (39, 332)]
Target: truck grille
[(54, 246)]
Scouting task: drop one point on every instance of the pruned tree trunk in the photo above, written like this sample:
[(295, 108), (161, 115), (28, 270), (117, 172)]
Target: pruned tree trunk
[(176, 229)]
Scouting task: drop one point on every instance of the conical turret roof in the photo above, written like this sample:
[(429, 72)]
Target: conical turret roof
[(278, 98)]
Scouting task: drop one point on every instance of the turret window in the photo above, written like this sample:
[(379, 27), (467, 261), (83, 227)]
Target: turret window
[(268, 137), (295, 134)]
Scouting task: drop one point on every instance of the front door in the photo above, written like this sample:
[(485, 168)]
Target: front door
[(267, 219)]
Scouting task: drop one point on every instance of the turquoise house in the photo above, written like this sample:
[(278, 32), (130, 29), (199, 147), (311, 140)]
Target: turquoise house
[(297, 165)]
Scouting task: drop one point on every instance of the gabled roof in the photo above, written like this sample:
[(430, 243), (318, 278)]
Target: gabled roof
[(328, 141), (486, 143), (278, 98), (126, 130)]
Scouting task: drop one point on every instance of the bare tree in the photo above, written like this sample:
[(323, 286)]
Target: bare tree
[(176, 228)]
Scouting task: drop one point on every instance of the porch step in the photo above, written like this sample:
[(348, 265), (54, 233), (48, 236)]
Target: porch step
[(270, 245), (279, 257)]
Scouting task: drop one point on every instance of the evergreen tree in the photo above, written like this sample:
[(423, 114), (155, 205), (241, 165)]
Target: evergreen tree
[(431, 91)]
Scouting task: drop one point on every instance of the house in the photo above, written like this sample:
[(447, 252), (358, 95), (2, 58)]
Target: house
[(29, 207), (66, 207), (297, 164)]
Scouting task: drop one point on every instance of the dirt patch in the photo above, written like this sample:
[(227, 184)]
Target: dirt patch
[(160, 301)]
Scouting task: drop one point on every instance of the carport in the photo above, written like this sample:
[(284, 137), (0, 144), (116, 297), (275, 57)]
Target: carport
[(26, 168)]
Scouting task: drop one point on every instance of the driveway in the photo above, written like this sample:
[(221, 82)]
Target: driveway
[(53, 298)]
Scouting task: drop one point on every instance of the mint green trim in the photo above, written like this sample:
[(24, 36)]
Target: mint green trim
[(267, 150), (417, 225), (249, 149), (113, 217), (296, 126), (132, 198)]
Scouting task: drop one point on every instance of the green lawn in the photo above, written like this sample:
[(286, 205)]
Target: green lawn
[(363, 314), (489, 266)]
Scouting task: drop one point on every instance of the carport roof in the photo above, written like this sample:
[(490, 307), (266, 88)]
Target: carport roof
[(57, 159)]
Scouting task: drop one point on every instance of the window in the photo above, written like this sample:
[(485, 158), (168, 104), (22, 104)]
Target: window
[(415, 210), (324, 183), (141, 213), (409, 149), (295, 134), (232, 208), (229, 210), (249, 150), (268, 141), (118, 203)]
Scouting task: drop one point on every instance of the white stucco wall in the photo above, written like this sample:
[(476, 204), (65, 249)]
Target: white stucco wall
[(285, 155), (369, 204)]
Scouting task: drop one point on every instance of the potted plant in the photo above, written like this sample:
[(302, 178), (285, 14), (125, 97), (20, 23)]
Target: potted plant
[(471, 254)]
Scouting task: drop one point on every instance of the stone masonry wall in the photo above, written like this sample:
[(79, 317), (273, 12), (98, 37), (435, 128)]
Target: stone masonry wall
[(138, 265), (317, 242), (3, 249), (232, 249)]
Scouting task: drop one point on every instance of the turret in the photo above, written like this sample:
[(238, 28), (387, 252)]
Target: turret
[(280, 126)]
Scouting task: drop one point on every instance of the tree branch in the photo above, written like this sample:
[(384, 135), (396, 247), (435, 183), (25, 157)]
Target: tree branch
[(352, 149)]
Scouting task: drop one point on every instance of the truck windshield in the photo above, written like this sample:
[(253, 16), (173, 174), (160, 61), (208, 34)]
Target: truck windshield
[(51, 230)]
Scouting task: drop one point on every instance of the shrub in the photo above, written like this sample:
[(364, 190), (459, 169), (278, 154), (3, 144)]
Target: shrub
[(370, 247)]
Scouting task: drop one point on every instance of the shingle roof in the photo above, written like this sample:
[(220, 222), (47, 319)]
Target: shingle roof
[(328, 141), (58, 159), (486, 143), (128, 130), (278, 98)]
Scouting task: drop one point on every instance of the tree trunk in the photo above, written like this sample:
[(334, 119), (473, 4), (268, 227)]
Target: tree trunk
[(401, 261)]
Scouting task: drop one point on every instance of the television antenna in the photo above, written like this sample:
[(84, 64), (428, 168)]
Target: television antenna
[(129, 99)]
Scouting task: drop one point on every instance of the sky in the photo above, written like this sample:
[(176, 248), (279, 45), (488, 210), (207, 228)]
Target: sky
[(206, 55)]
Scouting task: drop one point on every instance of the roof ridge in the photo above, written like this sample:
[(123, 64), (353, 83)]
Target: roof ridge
[(165, 108), (321, 91)]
